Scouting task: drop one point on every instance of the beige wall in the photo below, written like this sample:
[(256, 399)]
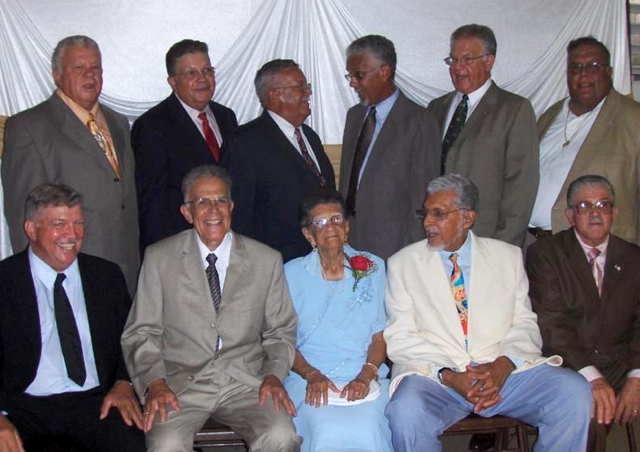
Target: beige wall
[(333, 152)]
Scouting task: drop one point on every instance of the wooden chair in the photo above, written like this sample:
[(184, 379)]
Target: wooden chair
[(215, 435), (499, 424)]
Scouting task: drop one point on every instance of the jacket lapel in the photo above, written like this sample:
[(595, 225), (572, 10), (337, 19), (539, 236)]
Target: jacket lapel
[(237, 271), (193, 268), (613, 268), (579, 265)]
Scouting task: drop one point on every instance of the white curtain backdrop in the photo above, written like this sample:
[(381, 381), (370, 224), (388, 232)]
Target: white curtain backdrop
[(243, 34)]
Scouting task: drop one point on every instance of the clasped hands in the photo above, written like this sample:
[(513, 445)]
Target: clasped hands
[(318, 386)]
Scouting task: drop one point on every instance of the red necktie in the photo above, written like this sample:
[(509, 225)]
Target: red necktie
[(210, 137)]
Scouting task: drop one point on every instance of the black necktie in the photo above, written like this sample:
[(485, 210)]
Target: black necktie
[(214, 280), (364, 140), (455, 126), (68, 333)]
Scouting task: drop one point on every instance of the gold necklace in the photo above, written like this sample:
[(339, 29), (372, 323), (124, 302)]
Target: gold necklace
[(567, 141)]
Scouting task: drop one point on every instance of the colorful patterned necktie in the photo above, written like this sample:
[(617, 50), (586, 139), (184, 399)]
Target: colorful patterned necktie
[(210, 137), (595, 268), (92, 125), (364, 141), (309, 161), (460, 296), (214, 280), (455, 126)]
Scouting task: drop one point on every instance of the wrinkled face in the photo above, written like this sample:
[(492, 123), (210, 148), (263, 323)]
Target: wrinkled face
[(594, 226), (468, 78), (331, 236), (450, 232), (587, 89), (81, 75), (289, 95), (370, 78), (212, 220), (189, 83), (55, 235)]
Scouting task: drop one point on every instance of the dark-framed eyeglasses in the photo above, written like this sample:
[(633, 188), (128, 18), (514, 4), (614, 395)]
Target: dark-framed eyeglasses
[(585, 207), (463, 61), (209, 203), (303, 88), (436, 214), (321, 223), (192, 74), (591, 68), (359, 75)]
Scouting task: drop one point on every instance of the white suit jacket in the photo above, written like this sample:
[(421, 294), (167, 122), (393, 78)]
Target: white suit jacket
[(423, 330)]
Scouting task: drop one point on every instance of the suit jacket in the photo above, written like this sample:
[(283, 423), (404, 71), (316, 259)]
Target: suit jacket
[(270, 178), (612, 150), (167, 145), (173, 326), (403, 160), (107, 302), (48, 143), (577, 323), (497, 149), (423, 330)]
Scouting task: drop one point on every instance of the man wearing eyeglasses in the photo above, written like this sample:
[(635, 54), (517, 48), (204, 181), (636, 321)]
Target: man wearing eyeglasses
[(488, 135), (184, 131), (585, 288), (593, 131), (276, 160), (389, 152)]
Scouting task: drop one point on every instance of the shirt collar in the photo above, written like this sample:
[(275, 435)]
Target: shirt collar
[(475, 96), (47, 275), (223, 251), (287, 128), (79, 111), (192, 112), (384, 106), (586, 248), (463, 251)]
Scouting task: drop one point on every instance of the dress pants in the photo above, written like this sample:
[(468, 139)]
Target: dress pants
[(554, 399)]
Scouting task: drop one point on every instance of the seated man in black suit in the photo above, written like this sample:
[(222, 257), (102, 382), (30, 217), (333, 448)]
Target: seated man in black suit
[(184, 131), (276, 160), (62, 376)]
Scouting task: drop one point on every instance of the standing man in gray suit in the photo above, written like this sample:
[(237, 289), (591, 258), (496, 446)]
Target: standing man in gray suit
[(212, 329), (389, 152), (489, 136), (72, 139)]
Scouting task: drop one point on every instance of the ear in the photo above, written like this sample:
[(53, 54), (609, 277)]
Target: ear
[(57, 77), (171, 80), (30, 228), (385, 72), (469, 218), (186, 213), (569, 214), (307, 235), (489, 61), (614, 213)]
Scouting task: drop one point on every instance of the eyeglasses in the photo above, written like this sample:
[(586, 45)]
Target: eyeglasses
[(209, 203), (463, 61), (591, 68), (321, 223), (359, 75), (191, 74), (586, 207), (303, 88), (437, 214)]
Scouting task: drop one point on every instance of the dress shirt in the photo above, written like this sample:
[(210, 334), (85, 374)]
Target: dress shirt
[(556, 159), (193, 114), (474, 99), (290, 132), (51, 376), (223, 253)]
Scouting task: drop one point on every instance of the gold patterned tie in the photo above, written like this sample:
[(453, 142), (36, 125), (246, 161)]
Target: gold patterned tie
[(104, 144)]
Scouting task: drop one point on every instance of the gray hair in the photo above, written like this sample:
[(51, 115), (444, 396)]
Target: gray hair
[(379, 46), (50, 195), (70, 41), (589, 179), (264, 77), (467, 194), (205, 171), (482, 32)]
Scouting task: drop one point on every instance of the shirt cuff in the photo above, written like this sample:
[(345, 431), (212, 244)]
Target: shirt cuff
[(590, 373), (516, 361), (634, 373)]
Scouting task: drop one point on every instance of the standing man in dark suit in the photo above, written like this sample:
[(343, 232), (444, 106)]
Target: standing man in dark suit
[(489, 135), (184, 131), (61, 315), (276, 160), (585, 288), (389, 152), (72, 139)]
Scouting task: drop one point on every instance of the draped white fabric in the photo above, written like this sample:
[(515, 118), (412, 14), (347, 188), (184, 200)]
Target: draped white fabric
[(244, 34)]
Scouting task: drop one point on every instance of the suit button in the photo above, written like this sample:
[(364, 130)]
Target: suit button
[(596, 351), (213, 325), (190, 377), (216, 356)]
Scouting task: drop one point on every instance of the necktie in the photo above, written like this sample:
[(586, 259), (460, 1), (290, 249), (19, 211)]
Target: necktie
[(68, 333), (595, 268), (455, 126), (214, 281), (307, 158), (459, 296), (104, 144), (364, 140), (210, 137)]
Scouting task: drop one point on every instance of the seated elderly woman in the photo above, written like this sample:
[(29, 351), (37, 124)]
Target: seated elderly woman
[(338, 293)]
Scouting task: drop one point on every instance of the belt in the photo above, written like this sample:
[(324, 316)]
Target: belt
[(540, 233)]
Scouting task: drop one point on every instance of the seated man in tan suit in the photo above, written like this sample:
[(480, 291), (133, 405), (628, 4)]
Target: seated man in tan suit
[(212, 329)]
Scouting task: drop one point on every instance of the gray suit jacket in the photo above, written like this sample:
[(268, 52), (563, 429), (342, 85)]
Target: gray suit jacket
[(173, 327), (404, 159), (48, 143), (612, 150), (498, 150)]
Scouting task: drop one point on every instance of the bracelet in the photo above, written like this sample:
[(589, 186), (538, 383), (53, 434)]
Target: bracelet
[(375, 369)]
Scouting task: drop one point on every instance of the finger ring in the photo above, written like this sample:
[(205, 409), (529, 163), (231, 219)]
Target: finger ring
[(146, 412), (482, 389), (634, 411)]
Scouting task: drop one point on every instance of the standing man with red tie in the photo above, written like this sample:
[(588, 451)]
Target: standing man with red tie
[(184, 131)]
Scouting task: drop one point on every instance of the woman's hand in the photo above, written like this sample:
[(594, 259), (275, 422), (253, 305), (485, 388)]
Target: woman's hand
[(358, 388), (318, 386)]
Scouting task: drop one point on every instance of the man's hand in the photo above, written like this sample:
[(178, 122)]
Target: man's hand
[(628, 401), (272, 386), (124, 398), (9, 439), (604, 401), (463, 383), (318, 386), (159, 395)]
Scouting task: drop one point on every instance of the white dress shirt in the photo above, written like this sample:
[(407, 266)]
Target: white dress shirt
[(222, 252), (474, 99), (213, 124), (290, 132)]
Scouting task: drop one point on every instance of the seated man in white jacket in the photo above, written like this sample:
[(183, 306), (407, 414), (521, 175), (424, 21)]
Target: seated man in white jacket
[(463, 337)]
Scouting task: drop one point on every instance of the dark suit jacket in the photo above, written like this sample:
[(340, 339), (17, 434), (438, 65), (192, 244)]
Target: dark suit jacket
[(270, 178), (575, 322), (108, 304), (167, 145), (48, 143), (498, 150), (404, 159)]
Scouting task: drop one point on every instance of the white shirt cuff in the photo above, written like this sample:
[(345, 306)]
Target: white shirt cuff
[(590, 373)]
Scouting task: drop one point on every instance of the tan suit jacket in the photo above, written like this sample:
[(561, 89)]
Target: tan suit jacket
[(612, 150)]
